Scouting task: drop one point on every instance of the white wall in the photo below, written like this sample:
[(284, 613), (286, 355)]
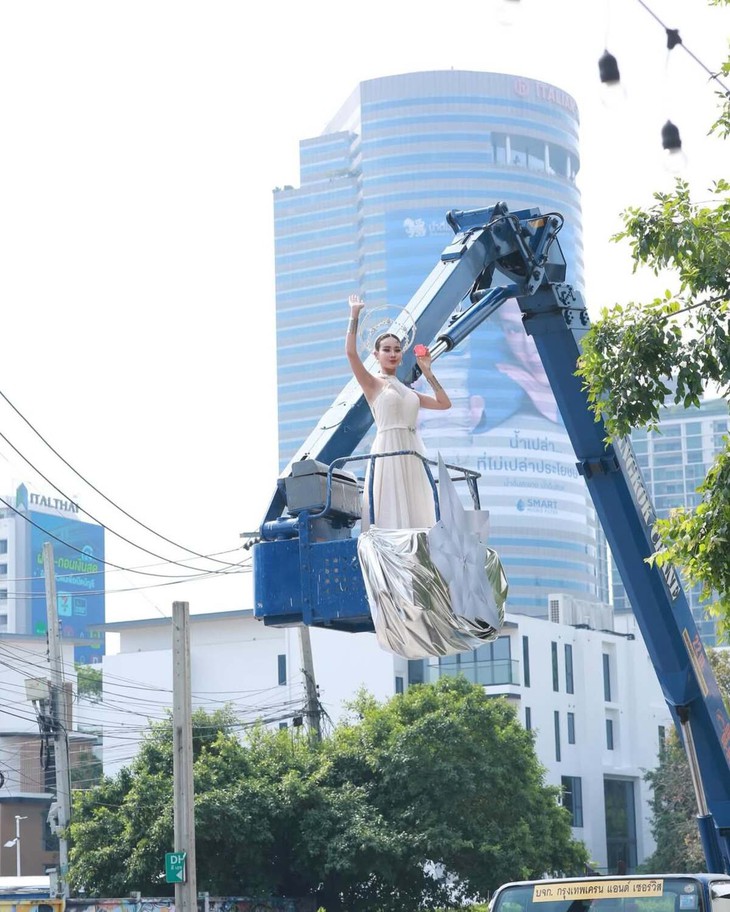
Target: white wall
[(637, 709), (234, 661)]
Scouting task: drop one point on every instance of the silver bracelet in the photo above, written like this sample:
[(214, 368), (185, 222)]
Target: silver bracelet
[(352, 325)]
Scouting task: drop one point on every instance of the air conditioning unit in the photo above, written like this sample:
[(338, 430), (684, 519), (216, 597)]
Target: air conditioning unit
[(564, 609)]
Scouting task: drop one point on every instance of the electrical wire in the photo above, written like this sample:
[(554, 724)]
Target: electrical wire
[(100, 523), (107, 563), (671, 33), (94, 488)]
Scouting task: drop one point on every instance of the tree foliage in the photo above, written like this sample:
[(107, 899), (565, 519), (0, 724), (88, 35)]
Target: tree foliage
[(89, 682), (637, 357), (673, 803), (674, 814), (430, 798)]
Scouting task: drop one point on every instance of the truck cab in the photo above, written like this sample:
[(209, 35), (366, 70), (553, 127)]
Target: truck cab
[(635, 893)]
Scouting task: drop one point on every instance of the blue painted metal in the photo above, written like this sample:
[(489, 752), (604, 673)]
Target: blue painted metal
[(302, 579)]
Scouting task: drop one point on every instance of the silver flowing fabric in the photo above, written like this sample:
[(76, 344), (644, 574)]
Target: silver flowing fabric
[(434, 592)]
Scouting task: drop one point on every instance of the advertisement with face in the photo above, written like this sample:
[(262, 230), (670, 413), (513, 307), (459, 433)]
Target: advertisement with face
[(504, 423)]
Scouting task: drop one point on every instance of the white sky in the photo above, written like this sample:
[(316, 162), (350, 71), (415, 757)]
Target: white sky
[(140, 145)]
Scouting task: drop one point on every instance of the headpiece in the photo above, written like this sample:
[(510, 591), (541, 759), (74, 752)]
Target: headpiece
[(384, 321)]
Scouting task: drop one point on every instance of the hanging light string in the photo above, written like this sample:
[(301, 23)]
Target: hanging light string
[(674, 38)]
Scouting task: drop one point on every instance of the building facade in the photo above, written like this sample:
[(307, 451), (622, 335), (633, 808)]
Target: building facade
[(369, 217), (674, 461), (30, 520), (28, 778), (574, 686)]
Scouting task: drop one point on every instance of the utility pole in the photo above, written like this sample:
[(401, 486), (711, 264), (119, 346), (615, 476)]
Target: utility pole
[(313, 712), (186, 895), (60, 722)]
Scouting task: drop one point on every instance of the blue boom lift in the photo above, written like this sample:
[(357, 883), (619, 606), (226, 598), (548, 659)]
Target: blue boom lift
[(306, 568)]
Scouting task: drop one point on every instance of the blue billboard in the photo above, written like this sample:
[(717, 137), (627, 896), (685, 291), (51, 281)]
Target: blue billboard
[(78, 554)]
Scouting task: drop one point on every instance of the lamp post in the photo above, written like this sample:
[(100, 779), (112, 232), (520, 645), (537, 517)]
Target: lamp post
[(16, 842)]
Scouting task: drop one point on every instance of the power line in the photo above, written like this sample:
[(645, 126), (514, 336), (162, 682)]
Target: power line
[(97, 520), (206, 573), (674, 39), (94, 488)]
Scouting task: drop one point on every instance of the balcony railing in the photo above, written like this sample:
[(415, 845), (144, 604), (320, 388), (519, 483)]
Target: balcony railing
[(501, 671)]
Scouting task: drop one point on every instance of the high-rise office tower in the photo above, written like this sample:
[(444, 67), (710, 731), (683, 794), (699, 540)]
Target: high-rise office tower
[(674, 463), (369, 217), (27, 521)]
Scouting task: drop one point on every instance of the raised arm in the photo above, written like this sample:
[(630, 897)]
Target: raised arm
[(440, 399), (370, 384)]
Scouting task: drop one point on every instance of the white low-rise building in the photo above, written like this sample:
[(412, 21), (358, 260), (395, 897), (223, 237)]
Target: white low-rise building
[(590, 695)]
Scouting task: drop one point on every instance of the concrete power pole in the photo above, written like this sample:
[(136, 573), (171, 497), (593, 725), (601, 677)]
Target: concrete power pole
[(62, 816), (313, 713), (186, 894)]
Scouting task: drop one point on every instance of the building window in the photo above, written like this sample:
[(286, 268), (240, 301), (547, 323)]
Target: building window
[(3, 546), (573, 798), (526, 661), (609, 734), (571, 728), (620, 816), (606, 678), (3, 569), (569, 687), (416, 671), (556, 718), (554, 654), (3, 595), (398, 684), (492, 663), (528, 718), (488, 664), (283, 725), (281, 662)]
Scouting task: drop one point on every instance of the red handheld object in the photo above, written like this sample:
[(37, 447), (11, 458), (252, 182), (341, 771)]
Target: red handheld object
[(419, 350)]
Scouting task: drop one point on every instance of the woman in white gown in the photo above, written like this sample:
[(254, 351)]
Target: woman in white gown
[(402, 494)]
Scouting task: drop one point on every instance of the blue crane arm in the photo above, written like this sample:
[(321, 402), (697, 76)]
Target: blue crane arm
[(303, 577), (556, 318), (521, 241)]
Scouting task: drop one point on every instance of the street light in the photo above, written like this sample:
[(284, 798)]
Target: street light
[(16, 842)]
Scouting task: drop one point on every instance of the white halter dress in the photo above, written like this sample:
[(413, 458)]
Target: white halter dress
[(402, 494)]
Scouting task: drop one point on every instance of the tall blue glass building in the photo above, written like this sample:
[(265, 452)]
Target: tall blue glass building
[(369, 217), (674, 462)]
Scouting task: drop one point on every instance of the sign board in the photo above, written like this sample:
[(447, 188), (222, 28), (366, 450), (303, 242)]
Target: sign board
[(175, 867), (597, 889)]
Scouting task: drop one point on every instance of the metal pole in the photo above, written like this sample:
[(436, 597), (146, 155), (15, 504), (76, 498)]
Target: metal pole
[(60, 718), (314, 724), (18, 818), (186, 894)]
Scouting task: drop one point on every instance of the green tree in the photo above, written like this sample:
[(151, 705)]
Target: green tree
[(673, 804), (89, 681), (638, 356), (86, 769), (453, 772), (674, 814), (432, 796)]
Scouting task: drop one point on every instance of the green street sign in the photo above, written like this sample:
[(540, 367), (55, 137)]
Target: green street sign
[(175, 867)]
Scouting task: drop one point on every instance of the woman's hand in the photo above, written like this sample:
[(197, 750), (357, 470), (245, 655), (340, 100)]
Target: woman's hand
[(356, 304), (423, 358)]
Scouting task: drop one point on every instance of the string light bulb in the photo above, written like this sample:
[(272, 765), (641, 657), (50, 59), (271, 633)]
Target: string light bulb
[(675, 159), (612, 91), (671, 140), (509, 12), (608, 69)]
